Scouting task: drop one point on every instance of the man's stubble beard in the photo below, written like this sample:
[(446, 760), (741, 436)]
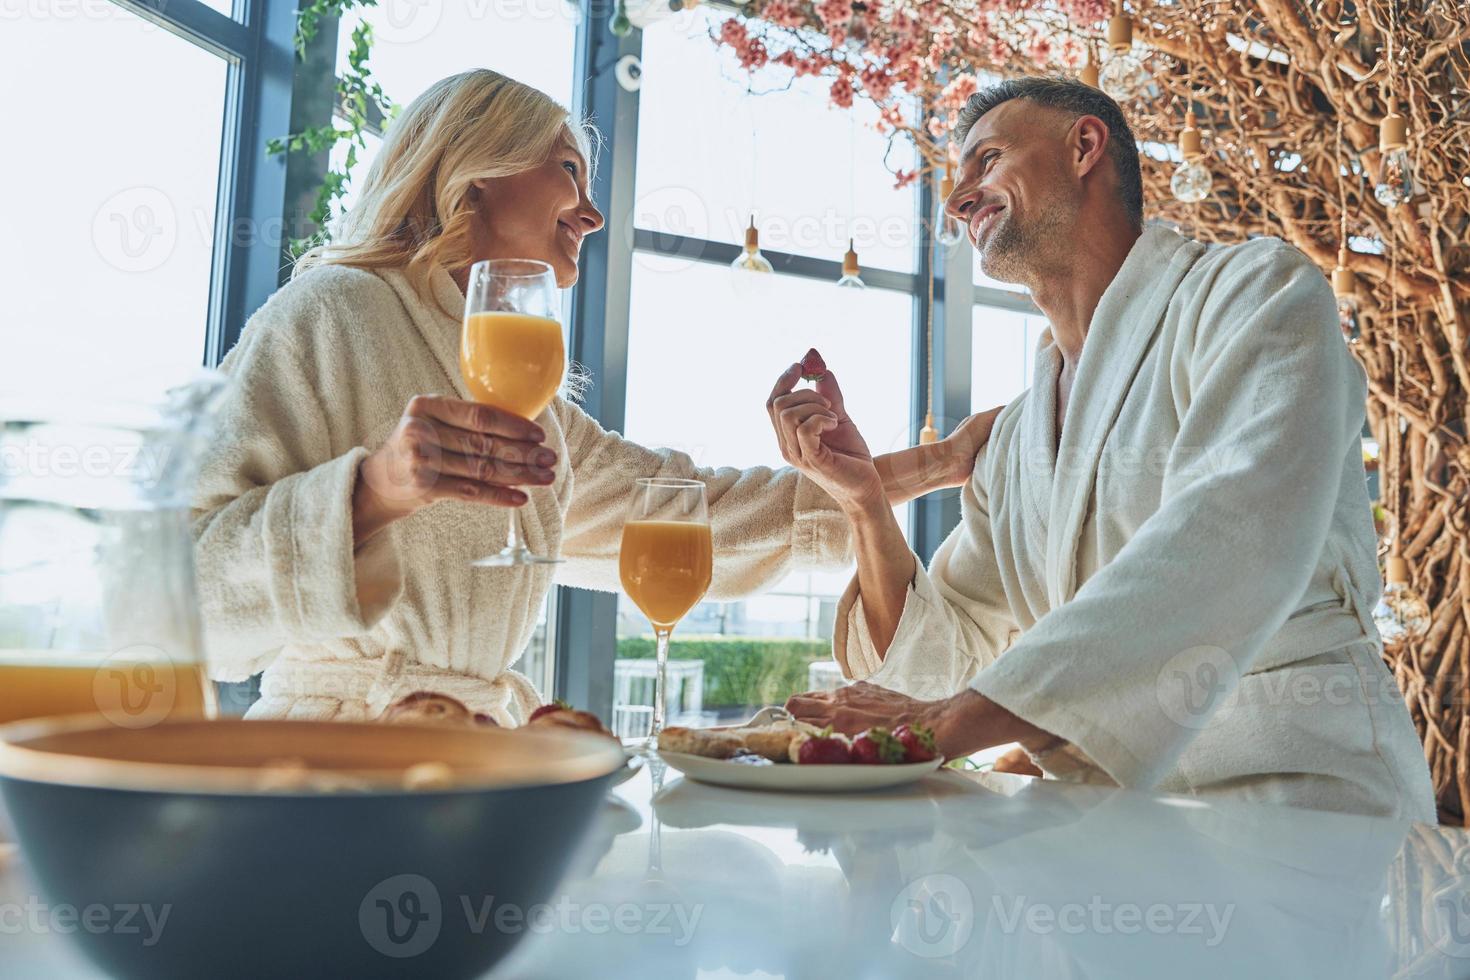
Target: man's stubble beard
[(1018, 253)]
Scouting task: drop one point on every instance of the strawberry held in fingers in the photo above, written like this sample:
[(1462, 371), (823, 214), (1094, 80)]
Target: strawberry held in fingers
[(917, 741), (813, 368), (877, 747)]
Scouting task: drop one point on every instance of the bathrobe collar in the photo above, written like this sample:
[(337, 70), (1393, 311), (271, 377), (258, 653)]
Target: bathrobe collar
[(1123, 327), (430, 314)]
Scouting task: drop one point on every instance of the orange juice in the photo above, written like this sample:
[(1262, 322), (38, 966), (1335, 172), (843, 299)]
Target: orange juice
[(512, 361), (666, 567), (131, 693)]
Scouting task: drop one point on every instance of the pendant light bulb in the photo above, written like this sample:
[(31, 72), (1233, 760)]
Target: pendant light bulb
[(1088, 74), (928, 435), (620, 25), (1395, 171), (1191, 182), (1402, 614), (750, 258), (1345, 288), (851, 274), (1123, 76), (947, 230)]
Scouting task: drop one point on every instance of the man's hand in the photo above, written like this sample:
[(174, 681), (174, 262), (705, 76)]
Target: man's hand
[(819, 439), (965, 723)]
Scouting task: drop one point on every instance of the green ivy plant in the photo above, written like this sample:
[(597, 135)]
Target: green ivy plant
[(358, 97)]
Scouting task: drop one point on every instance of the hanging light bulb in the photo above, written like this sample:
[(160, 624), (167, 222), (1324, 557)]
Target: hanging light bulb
[(1395, 172), (1123, 76), (947, 230), (1088, 74), (620, 25), (750, 258), (851, 274), (1345, 288), (1191, 182), (1402, 614), (928, 435)]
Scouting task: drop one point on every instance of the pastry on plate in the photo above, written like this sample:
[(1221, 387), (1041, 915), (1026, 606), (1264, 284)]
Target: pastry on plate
[(712, 743)]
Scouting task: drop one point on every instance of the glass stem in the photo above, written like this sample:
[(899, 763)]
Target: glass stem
[(513, 542), (661, 680)]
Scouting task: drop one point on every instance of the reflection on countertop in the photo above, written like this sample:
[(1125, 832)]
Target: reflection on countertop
[(964, 875)]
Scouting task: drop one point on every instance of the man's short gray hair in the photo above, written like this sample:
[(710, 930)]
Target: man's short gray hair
[(1077, 99)]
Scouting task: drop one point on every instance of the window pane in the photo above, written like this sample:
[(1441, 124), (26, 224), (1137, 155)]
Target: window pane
[(416, 43), (226, 7), (1004, 347), (109, 193), (709, 154), (705, 346)]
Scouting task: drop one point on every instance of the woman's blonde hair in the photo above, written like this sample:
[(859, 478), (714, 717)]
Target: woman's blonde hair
[(414, 211)]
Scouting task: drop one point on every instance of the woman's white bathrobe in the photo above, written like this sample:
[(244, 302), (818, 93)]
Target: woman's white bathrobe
[(1182, 590), (322, 374)]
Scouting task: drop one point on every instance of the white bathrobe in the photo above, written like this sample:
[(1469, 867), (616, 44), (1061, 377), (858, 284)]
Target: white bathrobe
[(1182, 590), (322, 374)]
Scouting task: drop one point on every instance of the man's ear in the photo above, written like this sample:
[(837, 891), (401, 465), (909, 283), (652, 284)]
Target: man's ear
[(1088, 143)]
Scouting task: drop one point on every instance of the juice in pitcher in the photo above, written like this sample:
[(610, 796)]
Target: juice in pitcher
[(130, 689)]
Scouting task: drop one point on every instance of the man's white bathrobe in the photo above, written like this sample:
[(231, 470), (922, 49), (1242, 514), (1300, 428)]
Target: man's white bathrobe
[(1182, 590), (322, 374)]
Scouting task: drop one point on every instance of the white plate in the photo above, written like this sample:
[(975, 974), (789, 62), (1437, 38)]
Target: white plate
[(798, 779)]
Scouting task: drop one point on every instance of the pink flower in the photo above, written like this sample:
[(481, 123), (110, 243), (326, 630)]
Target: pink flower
[(842, 92), (811, 66), (999, 52), (733, 32), (835, 13), (783, 13), (838, 36), (958, 91), (937, 126), (876, 82), (892, 115), (904, 178), (1072, 53), (1039, 50), (787, 58), (753, 54)]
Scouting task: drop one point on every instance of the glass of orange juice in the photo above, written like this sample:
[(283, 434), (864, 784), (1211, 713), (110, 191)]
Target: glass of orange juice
[(512, 356), (666, 561)]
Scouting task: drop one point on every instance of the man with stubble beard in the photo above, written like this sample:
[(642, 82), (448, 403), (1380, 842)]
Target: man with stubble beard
[(1166, 563)]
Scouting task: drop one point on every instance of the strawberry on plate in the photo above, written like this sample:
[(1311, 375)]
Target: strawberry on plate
[(917, 741), (822, 749), (813, 368), (877, 747), (546, 709)]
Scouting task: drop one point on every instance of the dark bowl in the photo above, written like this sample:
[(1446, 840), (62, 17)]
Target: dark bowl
[(191, 868)]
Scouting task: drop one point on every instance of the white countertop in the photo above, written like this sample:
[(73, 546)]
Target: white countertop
[(968, 875)]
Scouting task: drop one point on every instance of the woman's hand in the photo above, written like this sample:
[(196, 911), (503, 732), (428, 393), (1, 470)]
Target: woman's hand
[(449, 449), (817, 437), (918, 470)]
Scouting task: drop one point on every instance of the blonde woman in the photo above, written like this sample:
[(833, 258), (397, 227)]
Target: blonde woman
[(353, 481)]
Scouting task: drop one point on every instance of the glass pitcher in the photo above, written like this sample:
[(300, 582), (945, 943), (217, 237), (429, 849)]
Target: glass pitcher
[(98, 610)]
